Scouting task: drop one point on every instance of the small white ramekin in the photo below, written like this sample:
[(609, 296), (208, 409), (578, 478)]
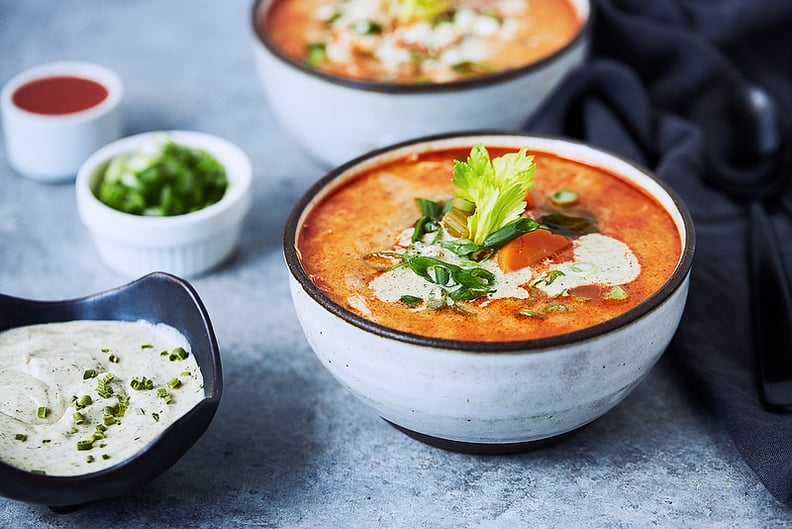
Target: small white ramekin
[(51, 148), (184, 245)]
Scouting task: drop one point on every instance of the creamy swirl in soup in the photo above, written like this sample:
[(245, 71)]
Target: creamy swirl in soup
[(419, 41), (80, 396), (473, 246)]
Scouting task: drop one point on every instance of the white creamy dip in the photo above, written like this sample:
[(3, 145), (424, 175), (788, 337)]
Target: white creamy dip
[(50, 372), (598, 260)]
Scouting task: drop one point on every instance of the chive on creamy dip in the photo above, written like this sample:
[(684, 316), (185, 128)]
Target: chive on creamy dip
[(80, 396)]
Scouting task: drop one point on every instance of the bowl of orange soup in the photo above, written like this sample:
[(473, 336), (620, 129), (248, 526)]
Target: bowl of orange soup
[(489, 291), (348, 76)]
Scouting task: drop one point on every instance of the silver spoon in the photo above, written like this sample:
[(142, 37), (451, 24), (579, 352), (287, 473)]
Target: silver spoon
[(745, 150)]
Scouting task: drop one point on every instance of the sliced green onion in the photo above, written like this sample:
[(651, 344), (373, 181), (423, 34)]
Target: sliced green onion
[(173, 383), (558, 307), (42, 412), (155, 416), (411, 301), (316, 54), (366, 27), (564, 197), (510, 232), (20, 437), (549, 278), (532, 314), (78, 417), (86, 444), (89, 373), (617, 293), (90, 459), (113, 358), (568, 225), (582, 267)]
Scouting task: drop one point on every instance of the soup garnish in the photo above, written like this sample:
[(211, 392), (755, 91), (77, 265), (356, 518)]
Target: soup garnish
[(515, 256), (432, 41)]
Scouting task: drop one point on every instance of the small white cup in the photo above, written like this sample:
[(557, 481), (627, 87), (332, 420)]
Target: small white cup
[(51, 147)]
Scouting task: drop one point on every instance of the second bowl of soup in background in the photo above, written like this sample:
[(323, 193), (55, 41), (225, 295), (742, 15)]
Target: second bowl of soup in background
[(347, 77)]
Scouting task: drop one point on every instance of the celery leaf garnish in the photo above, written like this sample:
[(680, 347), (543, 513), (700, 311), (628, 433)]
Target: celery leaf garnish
[(496, 187)]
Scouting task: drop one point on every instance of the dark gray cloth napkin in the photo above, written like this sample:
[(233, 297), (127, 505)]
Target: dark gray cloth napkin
[(649, 61)]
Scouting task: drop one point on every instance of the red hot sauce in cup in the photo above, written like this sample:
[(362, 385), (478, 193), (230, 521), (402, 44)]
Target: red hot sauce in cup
[(59, 95)]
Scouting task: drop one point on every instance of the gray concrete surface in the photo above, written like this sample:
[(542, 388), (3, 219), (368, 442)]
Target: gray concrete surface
[(289, 447)]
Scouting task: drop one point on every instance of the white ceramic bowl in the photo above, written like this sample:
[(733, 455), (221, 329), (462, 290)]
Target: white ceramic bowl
[(51, 147), (184, 245), (336, 119), (493, 396)]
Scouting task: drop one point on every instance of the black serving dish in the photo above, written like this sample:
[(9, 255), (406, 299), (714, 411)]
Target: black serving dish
[(157, 298)]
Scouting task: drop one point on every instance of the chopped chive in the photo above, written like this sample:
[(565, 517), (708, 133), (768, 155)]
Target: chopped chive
[(178, 354), (109, 420), (45, 441), (155, 416), (186, 374), (113, 358), (559, 307), (102, 387), (164, 395), (78, 417), (105, 350), (89, 459), (163, 353), (20, 437), (105, 456), (38, 471), (174, 383), (42, 412), (89, 373), (83, 401), (143, 383), (86, 444), (146, 346)]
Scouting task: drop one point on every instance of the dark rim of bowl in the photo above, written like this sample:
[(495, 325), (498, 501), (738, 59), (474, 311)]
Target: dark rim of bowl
[(673, 283), (39, 487), (415, 88)]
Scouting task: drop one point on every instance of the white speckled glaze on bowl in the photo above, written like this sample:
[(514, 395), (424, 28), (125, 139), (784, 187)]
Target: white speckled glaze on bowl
[(184, 245), (336, 119), (499, 396)]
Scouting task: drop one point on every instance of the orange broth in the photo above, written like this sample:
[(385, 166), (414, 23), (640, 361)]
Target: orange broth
[(368, 213), (542, 28)]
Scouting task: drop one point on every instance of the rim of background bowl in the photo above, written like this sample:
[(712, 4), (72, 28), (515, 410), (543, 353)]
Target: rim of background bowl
[(414, 88), (105, 215), (86, 70), (674, 281), (50, 489)]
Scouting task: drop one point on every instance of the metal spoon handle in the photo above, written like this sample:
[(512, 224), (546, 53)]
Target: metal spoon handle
[(772, 311)]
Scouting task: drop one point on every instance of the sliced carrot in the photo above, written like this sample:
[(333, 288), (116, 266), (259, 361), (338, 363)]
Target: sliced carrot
[(531, 249)]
